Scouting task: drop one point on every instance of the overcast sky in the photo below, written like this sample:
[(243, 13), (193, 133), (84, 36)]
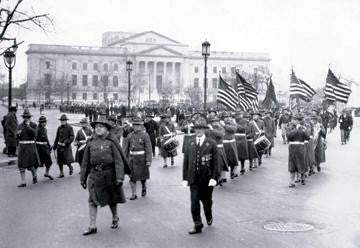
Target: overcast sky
[(306, 34)]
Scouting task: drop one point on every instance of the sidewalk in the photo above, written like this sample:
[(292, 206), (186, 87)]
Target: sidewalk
[(4, 159)]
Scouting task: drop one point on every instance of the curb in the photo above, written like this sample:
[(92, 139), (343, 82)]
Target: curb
[(5, 162)]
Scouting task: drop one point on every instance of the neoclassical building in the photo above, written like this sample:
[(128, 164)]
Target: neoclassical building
[(162, 67)]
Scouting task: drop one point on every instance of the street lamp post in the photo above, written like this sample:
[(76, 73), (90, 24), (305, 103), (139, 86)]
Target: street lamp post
[(68, 93), (205, 54), (129, 69), (10, 60)]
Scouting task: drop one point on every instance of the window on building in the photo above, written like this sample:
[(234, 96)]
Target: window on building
[(116, 96), (105, 80), (105, 96), (95, 96), (74, 66), (84, 80), (47, 79), (95, 80), (233, 70), (196, 82), (47, 64), (214, 83), (115, 81), (74, 96), (106, 67), (74, 79), (215, 69), (116, 67), (224, 70), (196, 69), (95, 66), (84, 96), (84, 66)]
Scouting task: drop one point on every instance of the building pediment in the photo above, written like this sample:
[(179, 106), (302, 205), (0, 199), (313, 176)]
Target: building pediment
[(160, 51), (150, 37)]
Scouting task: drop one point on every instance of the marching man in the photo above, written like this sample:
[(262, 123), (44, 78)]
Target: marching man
[(82, 136), (200, 173)]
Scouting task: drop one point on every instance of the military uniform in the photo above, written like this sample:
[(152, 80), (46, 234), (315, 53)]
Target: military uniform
[(101, 167), (151, 128), (241, 142), (186, 128), (297, 164), (43, 146), (82, 136), (139, 153), (10, 128), (270, 130), (62, 145), (230, 147), (28, 157), (217, 133), (199, 167)]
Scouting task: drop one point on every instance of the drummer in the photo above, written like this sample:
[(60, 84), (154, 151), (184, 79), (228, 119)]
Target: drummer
[(250, 134), (166, 132)]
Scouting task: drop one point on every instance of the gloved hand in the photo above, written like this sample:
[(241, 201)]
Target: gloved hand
[(212, 183), (119, 182), (84, 185), (184, 183), (148, 163)]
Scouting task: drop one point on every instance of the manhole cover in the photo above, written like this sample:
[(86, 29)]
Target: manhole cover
[(288, 227)]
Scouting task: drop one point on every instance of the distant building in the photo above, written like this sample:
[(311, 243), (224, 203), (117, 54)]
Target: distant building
[(162, 68)]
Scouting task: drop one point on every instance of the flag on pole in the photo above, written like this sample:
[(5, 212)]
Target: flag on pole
[(298, 88), (227, 95), (248, 96), (336, 90), (270, 96)]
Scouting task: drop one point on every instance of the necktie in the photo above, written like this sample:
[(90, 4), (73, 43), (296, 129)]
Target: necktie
[(198, 143)]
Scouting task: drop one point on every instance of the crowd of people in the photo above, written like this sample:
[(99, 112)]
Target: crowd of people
[(215, 144)]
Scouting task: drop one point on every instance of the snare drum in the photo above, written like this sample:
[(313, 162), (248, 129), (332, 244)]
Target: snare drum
[(262, 143), (170, 145)]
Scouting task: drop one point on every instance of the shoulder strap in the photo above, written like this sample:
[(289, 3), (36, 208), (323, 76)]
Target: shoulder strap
[(256, 126)]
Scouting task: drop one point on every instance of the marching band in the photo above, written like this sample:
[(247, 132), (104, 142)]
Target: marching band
[(215, 144)]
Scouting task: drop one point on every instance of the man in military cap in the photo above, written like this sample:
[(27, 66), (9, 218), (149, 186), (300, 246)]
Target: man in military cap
[(138, 151), (151, 128), (242, 121), (81, 139), (102, 172), (62, 144), (259, 131), (28, 157), (200, 173), (10, 128), (284, 120), (186, 128), (297, 135), (270, 130), (43, 146), (115, 129)]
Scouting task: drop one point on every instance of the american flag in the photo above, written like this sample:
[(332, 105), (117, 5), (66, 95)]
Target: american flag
[(298, 88), (248, 96), (336, 90), (227, 95)]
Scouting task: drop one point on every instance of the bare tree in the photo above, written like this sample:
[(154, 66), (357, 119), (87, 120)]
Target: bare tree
[(12, 14)]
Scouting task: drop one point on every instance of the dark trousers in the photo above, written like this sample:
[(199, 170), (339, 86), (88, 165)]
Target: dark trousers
[(11, 150), (203, 193)]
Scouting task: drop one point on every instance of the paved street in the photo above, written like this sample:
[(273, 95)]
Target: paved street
[(54, 213)]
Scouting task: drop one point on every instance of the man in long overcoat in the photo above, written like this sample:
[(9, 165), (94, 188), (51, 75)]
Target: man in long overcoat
[(62, 144), (151, 127), (28, 157), (43, 146), (138, 151), (200, 172), (10, 127), (270, 129)]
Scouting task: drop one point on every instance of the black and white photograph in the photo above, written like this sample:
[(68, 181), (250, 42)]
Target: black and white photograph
[(176, 124)]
